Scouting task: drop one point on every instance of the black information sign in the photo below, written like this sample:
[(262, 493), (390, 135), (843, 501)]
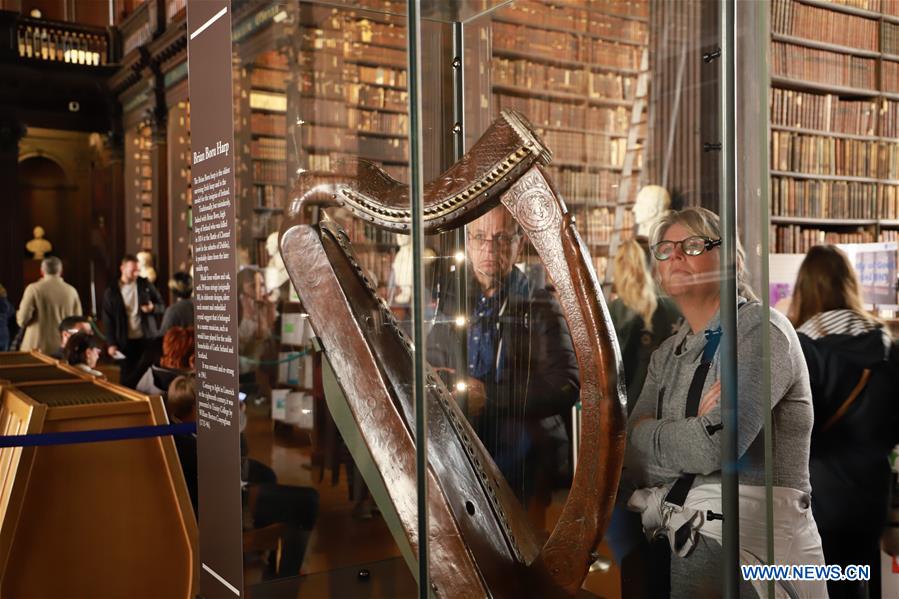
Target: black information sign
[(212, 151)]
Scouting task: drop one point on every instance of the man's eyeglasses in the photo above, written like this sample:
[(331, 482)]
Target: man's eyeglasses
[(502, 240), (692, 246)]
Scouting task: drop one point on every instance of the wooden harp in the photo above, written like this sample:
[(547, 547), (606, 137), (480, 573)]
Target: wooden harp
[(481, 543)]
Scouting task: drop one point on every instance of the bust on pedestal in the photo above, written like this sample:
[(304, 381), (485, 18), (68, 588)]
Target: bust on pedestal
[(39, 246), (275, 271), (652, 203)]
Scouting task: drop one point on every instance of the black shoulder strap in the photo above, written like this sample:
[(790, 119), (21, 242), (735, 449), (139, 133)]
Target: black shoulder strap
[(678, 493)]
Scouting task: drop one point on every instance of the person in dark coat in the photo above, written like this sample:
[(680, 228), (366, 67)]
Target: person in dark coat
[(854, 372), (129, 315), (521, 379)]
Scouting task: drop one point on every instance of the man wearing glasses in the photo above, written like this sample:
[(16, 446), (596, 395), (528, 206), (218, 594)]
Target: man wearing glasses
[(506, 352)]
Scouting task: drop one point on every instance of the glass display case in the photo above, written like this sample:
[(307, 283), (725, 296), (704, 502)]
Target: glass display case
[(526, 350)]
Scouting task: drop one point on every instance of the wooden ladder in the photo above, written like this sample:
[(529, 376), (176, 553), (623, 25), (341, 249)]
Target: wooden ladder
[(635, 145)]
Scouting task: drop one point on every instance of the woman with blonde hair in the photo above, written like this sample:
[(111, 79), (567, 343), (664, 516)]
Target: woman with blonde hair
[(673, 459), (642, 318), (854, 373)]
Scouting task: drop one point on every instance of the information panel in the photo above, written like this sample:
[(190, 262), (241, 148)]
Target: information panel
[(212, 144)]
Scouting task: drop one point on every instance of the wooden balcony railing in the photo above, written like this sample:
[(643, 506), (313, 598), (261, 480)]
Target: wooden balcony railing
[(70, 43)]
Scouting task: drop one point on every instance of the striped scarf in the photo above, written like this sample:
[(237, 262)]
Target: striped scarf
[(837, 322)]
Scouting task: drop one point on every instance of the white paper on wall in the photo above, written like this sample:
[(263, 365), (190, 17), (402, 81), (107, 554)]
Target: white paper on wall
[(288, 369), (307, 371), (299, 409), (293, 329), (279, 404)]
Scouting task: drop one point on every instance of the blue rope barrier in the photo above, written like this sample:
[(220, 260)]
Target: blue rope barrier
[(96, 436)]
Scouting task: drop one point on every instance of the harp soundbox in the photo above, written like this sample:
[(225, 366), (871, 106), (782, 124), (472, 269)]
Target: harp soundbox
[(481, 543)]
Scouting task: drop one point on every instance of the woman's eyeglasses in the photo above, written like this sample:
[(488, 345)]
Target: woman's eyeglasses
[(692, 246)]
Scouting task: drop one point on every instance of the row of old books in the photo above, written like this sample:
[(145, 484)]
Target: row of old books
[(815, 154), (143, 183), (556, 45), (372, 121), (822, 66), (547, 113), (579, 19), (791, 17), (372, 55), (823, 112), (338, 139), (370, 32), (889, 38), (890, 76), (586, 187), (375, 75), (888, 161), (794, 239), (326, 161), (331, 68), (269, 79), (268, 124), (889, 7), (593, 149), (525, 73), (835, 196), (368, 96), (338, 113), (269, 148), (888, 202), (871, 5), (806, 198), (270, 196), (596, 224), (630, 8), (273, 173)]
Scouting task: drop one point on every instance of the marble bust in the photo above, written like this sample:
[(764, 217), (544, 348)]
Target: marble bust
[(39, 246), (652, 202), (275, 271)]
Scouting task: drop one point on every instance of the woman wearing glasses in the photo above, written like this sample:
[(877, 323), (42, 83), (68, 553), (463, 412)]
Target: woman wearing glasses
[(674, 431)]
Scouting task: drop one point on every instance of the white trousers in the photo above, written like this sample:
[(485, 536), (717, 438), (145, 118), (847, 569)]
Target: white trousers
[(796, 538)]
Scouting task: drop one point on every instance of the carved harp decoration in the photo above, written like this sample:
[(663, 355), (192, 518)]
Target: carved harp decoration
[(481, 542)]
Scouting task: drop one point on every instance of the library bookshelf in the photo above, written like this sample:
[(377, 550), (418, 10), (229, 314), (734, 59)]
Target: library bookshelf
[(834, 122), (572, 68)]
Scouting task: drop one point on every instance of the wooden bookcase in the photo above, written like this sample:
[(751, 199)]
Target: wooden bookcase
[(834, 122), (572, 68), (181, 224), (140, 147)]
